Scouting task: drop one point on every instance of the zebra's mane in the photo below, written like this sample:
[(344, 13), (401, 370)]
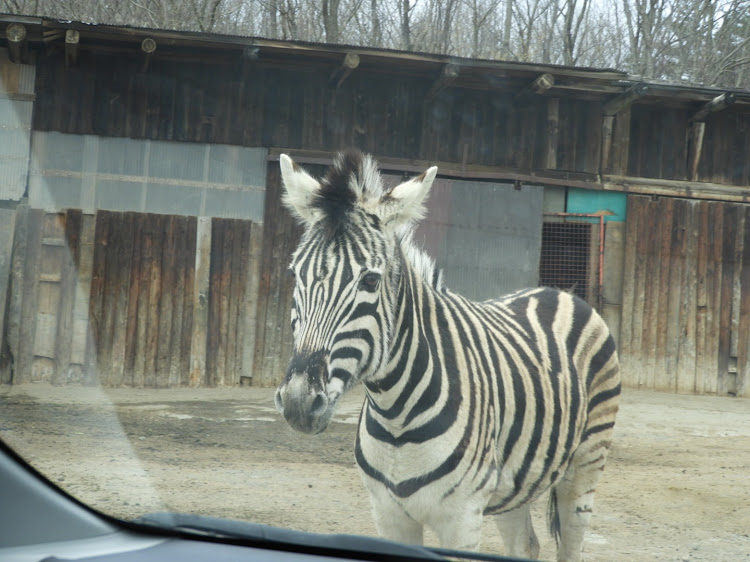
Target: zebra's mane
[(420, 262), (352, 181)]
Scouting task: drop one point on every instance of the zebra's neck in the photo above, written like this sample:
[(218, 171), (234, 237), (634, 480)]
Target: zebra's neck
[(411, 362)]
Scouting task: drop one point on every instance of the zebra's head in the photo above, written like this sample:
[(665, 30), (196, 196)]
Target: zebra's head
[(346, 275)]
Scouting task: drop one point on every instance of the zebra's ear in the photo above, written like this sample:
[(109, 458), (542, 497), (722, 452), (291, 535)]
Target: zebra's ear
[(300, 189), (405, 202)]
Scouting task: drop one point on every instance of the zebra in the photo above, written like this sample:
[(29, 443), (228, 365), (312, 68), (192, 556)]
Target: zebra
[(471, 408)]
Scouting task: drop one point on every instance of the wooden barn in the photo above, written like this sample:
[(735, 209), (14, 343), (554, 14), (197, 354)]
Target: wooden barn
[(142, 240)]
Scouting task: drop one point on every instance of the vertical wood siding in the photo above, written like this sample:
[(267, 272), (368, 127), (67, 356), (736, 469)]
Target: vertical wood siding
[(260, 104), (273, 337), (686, 296), (111, 299)]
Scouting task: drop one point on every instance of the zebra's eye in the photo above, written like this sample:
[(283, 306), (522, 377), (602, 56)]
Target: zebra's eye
[(290, 271), (370, 281)]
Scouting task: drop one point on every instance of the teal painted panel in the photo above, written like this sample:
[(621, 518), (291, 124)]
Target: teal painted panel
[(611, 204)]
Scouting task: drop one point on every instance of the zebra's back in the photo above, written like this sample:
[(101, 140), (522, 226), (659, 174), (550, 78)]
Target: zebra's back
[(559, 396)]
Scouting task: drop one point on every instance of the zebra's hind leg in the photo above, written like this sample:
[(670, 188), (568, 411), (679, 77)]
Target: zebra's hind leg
[(572, 501), (518, 533)]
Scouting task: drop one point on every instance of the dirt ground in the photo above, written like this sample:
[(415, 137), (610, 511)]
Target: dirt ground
[(677, 486)]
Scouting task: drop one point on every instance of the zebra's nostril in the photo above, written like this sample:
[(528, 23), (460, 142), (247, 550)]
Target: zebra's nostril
[(319, 405), (278, 402)]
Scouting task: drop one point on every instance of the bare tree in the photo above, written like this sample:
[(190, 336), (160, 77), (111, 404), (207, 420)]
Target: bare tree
[(698, 41), (574, 14), (331, 20)]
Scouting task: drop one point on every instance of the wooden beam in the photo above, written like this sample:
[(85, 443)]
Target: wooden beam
[(17, 46), (449, 73), (695, 147), (675, 188), (585, 180), (538, 87), (148, 47), (716, 104), (625, 99), (71, 47), (342, 72)]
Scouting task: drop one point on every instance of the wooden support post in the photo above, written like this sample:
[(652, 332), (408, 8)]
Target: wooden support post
[(553, 132), (250, 304), (449, 73), (82, 329), (342, 72), (608, 122), (7, 228), (71, 47), (620, 152), (625, 99), (148, 46), (695, 147), (68, 285), (716, 104), (538, 87), (198, 343), (29, 289), (17, 46)]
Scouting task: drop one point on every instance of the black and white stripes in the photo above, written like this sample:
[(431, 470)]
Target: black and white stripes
[(471, 408)]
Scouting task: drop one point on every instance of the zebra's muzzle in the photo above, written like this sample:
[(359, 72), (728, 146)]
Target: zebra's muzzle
[(303, 401)]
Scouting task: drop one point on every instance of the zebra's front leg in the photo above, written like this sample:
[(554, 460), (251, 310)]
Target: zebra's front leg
[(391, 521), (460, 529)]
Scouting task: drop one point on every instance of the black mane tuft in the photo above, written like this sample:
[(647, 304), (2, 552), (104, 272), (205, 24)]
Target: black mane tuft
[(336, 197)]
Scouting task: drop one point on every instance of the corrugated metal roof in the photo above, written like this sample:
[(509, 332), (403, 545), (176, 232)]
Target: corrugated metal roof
[(480, 73), (195, 34)]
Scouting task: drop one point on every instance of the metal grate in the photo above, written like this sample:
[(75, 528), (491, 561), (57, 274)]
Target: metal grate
[(572, 254)]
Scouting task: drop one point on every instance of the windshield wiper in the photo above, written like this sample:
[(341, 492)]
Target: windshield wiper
[(266, 536)]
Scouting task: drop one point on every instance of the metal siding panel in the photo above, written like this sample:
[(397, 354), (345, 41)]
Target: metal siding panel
[(15, 131), (173, 199), (122, 156), (493, 238), (114, 195), (122, 174), (554, 199), (176, 160), (235, 204)]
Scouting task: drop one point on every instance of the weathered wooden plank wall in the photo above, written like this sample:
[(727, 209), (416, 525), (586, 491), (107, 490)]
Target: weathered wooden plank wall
[(111, 299), (273, 337), (263, 104), (686, 296)]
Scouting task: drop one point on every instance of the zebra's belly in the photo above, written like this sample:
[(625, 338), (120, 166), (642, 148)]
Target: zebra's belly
[(520, 482)]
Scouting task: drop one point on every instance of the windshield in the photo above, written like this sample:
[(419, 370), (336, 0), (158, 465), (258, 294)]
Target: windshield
[(428, 271)]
